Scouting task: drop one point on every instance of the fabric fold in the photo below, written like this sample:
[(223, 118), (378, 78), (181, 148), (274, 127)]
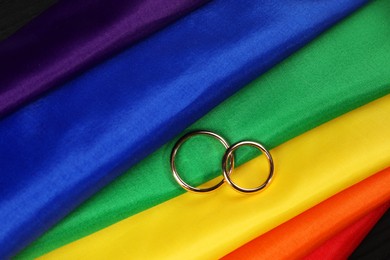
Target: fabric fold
[(61, 149), (376, 244), (298, 237), (309, 168), (71, 37), (301, 93), (343, 244)]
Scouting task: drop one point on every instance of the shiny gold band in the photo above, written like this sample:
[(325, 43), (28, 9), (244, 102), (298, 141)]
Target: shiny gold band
[(173, 156), (227, 170), (227, 163)]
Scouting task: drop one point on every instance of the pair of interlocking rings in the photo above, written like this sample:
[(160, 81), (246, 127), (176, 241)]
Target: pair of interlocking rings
[(227, 163)]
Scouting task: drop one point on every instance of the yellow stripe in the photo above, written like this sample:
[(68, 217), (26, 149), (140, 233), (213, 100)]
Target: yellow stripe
[(309, 169)]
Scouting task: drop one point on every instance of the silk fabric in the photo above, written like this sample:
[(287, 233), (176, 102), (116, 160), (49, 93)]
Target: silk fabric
[(342, 245), (377, 243), (59, 150), (73, 36), (298, 237), (303, 92), (207, 227)]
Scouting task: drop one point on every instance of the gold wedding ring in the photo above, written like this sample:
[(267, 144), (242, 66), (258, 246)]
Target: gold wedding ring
[(227, 170), (227, 163), (175, 150)]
